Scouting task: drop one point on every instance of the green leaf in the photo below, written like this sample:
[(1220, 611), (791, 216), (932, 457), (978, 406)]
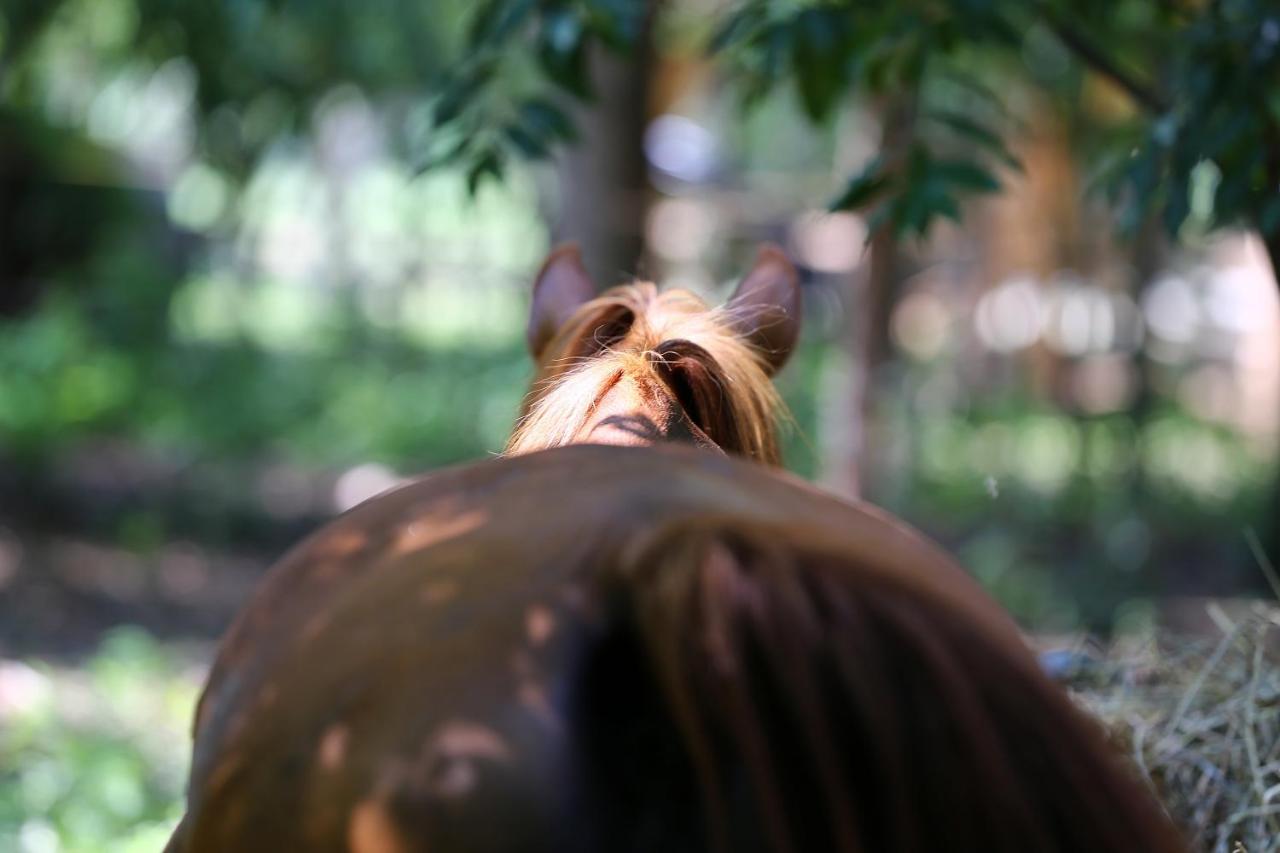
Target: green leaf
[(911, 63), (964, 174), (738, 26), (930, 204), (1178, 205), (547, 120), (1143, 175), (497, 20), (562, 52), (949, 208), (460, 92), (863, 188), (976, 86), (1217, 140), (527, 143), (1232, 197), (880, 217), (969, 129), (490, 164), (922, 203), (449, 107), (980, 20), (820, 59), (619, 24), (443, 156), (1269, 219), (772, 46), (1273, 104)]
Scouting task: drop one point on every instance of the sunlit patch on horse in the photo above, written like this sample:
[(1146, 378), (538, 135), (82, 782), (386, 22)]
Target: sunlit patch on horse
[(422, 531), (539, 622), (438, 591), (455, 753), (268, 695), (332, 749), (315, 625), (341, 543), (372, 830)]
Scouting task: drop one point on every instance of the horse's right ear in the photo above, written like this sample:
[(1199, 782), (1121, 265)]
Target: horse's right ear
[(561, 287), (765, 309)]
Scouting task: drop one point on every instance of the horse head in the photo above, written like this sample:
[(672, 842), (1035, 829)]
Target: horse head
[(636, 365)]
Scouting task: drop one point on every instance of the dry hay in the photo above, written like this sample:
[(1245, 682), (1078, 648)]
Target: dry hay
[(1201, 719)]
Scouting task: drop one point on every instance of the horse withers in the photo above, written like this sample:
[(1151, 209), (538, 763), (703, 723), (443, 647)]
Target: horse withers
[(658, 646)]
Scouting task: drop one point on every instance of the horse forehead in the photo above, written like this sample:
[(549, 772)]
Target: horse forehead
[(671, 309)]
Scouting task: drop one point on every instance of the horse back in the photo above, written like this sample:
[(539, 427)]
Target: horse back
[(416, 674)]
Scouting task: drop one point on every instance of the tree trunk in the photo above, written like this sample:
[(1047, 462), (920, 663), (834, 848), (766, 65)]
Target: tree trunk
[(603, 178), (874, 294), (1150, 255), (1271, 534)]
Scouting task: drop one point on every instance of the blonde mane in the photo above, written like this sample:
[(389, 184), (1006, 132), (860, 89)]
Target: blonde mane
[(671, 340)]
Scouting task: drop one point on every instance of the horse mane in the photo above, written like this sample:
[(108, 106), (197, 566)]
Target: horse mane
[(669, 340), (812, 706)]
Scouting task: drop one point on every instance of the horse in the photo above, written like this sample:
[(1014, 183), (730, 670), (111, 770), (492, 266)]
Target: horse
[(633, 632)]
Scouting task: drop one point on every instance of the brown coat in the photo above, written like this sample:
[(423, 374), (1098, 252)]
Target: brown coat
[(412, 676)]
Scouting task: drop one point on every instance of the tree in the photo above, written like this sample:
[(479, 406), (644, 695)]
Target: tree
[(1202, 78), (259, 66), (259, 70)]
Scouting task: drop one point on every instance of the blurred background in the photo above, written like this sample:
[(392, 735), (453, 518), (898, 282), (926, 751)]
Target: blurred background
[(259, 259)]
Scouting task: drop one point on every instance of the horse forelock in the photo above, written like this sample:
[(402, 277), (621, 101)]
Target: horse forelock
[(668, 340)]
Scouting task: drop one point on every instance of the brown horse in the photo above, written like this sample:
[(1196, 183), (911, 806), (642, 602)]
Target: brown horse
[(596, 648)]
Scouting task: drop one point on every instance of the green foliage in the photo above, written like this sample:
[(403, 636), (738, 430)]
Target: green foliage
[(1218, 66), (917, 188), (1202, 79), (260, 67), (830, 50), (1226, 75), (497, 104), (400, 403), (886, 52), (94, 758)]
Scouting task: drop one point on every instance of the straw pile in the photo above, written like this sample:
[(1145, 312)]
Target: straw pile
[(1201, 719)]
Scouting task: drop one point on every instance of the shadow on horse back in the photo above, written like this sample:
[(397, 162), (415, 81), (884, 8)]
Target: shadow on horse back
[(663, 646)]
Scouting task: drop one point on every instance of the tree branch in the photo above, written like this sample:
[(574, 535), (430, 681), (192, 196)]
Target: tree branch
[(1091, 54)]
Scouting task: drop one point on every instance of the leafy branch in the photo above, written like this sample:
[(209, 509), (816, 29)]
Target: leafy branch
[(1207, 105)]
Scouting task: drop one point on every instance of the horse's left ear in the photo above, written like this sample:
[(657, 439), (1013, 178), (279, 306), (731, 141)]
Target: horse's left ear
[(765, 309), (562, 285)]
